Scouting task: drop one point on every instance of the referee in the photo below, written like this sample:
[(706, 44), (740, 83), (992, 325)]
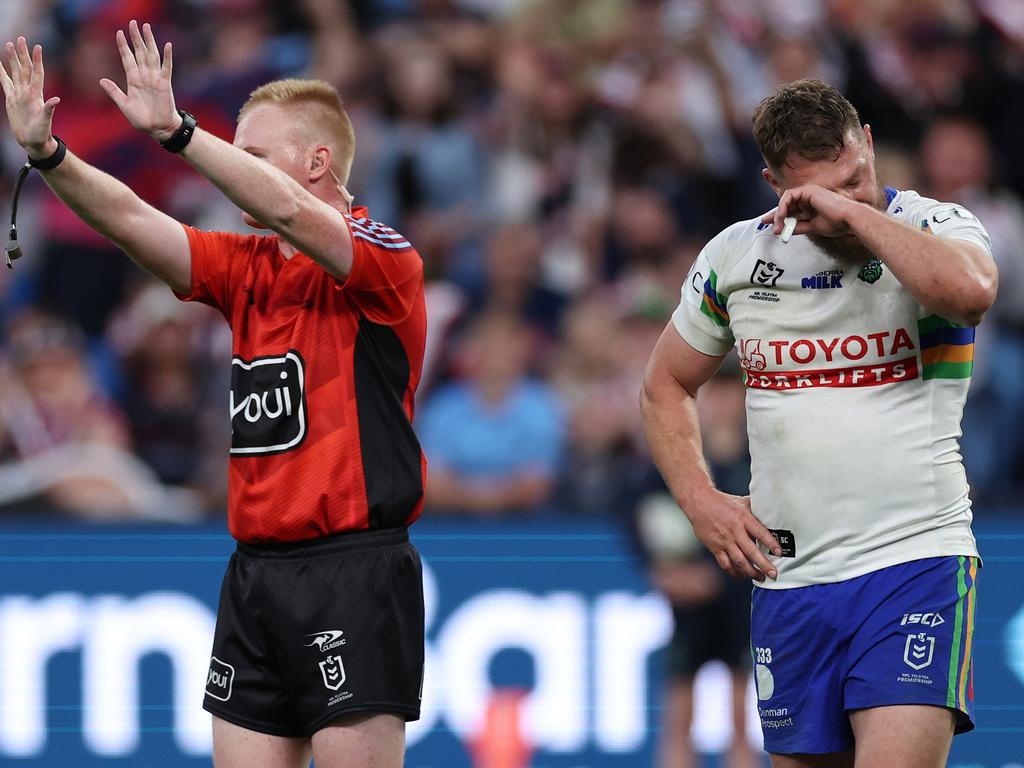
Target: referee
[(318, 649)]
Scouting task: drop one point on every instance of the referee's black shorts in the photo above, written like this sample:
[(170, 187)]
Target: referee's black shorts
[(313, 630)]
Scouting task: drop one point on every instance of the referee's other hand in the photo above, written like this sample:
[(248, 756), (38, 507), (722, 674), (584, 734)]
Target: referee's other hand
[(29, 115), (148, 99)]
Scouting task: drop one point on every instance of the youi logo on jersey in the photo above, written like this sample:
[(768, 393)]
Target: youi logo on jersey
[(268, 404)]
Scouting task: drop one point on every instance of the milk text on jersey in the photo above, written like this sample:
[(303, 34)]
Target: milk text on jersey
[(806, 362)]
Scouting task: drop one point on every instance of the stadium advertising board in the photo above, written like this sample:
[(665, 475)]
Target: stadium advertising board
[(105, 640)]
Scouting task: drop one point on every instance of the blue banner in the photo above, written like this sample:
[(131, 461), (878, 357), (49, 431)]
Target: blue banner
[(105, 640)]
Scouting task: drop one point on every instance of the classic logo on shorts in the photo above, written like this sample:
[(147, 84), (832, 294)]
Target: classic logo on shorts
[(268, 404), (219, 679), (327, 640), (919, 650), (333, 671)]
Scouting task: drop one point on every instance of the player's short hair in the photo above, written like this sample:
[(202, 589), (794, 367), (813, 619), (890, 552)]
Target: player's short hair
[(808, 118), (325, 110)]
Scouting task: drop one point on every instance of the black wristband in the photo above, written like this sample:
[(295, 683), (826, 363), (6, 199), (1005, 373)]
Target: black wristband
[(51, 162), (183, 135)]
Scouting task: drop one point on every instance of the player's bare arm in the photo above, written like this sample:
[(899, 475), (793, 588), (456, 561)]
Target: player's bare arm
[(151, 238), (724, 523), (270, 196), (952, 278)]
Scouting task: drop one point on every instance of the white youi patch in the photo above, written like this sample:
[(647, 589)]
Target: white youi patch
[(219, 679)]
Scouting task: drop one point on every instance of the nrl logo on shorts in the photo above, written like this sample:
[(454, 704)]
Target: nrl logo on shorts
[(871, 272), (326, 640), (333, 672), (919, 650)]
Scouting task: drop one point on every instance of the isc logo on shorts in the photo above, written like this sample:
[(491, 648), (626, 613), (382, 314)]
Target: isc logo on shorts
[(928, 619), (268, 404)]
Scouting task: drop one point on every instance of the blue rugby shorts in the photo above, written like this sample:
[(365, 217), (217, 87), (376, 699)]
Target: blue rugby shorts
[(899, 635)]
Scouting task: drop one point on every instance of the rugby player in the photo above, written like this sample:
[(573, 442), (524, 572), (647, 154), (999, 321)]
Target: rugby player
[(856, 343)]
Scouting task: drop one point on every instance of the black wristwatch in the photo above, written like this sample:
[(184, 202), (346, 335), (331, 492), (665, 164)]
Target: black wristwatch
[(183, 135)]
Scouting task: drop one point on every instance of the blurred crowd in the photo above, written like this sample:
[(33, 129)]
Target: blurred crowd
[(558, 164)]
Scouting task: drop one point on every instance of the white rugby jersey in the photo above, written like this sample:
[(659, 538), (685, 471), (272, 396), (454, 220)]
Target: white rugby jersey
[(854, 394)]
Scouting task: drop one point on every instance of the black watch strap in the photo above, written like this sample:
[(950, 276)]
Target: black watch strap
[(183, 135), (51, 162)]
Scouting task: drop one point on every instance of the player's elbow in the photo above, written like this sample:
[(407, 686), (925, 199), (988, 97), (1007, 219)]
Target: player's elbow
[(978, 295), (646, 395), (658, 387)]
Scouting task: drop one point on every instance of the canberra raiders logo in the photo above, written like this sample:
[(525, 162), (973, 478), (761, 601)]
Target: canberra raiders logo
[(871, 272)]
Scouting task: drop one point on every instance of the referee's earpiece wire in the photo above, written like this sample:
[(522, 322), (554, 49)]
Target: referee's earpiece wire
[(13, 248), (342, 189)]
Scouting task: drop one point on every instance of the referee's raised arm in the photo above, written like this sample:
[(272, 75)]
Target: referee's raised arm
[(272, 198), (150, 237)]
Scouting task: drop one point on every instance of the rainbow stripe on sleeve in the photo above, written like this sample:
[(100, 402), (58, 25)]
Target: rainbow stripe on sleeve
[(713, 304), (947, 349)]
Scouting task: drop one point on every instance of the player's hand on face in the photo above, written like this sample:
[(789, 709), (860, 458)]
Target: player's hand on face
[(818, 211), (149, 101), (727, 527), (29, 115)]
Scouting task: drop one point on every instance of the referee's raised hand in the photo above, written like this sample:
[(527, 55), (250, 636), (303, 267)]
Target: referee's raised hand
[(148, 100), (29, 115)]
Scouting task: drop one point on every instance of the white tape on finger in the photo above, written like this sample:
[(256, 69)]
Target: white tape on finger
[(788, 227)]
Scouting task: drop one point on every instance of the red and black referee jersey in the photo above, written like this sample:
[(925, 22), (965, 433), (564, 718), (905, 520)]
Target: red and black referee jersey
[(322, 381)]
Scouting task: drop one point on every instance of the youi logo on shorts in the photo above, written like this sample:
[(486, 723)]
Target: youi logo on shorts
[(327, 640), (268, 404), (219, 679)]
